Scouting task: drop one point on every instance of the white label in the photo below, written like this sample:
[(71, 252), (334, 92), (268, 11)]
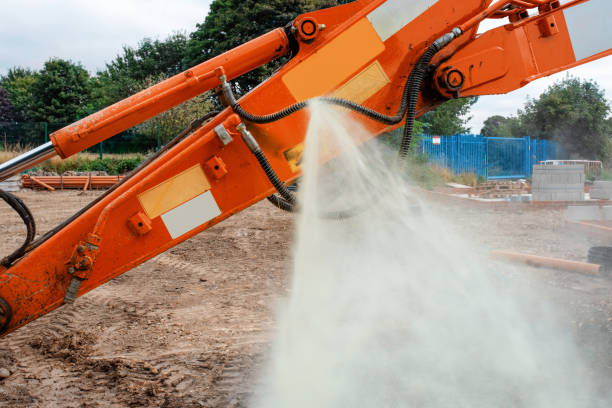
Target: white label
[(436, 140), (590, 28), (191, 214), (393, 15)]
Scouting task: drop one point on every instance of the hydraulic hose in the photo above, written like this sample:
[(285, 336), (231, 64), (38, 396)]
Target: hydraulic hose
[(276, 182), (415, 81), (281, 203), (24, 212), (186, 132), (407, 108)]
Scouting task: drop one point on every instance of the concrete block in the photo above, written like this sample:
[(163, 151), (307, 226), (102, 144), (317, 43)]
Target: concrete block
[(11, 185), (602, 190), (558, 183)]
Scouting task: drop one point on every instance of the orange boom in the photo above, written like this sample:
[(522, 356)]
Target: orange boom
[(387, 61)]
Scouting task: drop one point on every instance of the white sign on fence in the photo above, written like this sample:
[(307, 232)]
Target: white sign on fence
[(436, 140)]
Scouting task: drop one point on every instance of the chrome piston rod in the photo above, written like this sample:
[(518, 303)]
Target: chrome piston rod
[(27, 160)]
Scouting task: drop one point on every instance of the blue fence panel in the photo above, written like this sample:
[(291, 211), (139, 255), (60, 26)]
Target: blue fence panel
[(490, 157), (471, 155), (506, 158)]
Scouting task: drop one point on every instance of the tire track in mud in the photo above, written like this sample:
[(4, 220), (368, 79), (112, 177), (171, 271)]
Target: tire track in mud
[(53, 356), (186, 329), (225, 366), (56, 364)]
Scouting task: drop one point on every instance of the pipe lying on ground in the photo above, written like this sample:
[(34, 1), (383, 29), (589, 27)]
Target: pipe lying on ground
[(42, 184), (542, 261), (590, 226), (70, 182)]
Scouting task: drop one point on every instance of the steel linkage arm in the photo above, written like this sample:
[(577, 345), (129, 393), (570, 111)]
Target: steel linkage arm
[(346, 51), (152, 101), (501, 60), (364, 52)]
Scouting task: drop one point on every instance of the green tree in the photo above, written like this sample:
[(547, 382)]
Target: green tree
[(231, 23), (450, 118), (8, 113), (501, 126), (60, 92), (125, 75), (173, 121), (573, 112), (18, 83)]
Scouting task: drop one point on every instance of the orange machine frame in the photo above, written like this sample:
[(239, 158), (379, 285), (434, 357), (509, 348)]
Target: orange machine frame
[(348, 51)]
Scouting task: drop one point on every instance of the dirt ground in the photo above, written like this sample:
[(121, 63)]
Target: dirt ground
[(191, 327)]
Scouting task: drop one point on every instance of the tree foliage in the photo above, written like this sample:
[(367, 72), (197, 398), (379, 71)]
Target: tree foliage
[(125, 75), (501, 126), (450, 118), (59, 92), (8, 113), (573, 112), (18, 84), (231, 23), (175, 120)]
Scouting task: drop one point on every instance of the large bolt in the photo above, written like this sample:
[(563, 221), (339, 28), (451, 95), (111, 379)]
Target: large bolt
[(455, 79), (5, 315)]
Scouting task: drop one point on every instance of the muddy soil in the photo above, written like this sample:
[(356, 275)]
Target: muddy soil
[(190, 328)]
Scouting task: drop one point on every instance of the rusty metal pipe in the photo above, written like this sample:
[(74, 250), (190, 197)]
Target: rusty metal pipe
[(542, 261)]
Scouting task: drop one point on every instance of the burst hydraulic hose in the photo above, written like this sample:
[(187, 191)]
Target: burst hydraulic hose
[(407, 109)]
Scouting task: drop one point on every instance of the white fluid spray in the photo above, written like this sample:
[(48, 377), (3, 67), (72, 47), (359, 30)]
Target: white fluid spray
[(389, 309)]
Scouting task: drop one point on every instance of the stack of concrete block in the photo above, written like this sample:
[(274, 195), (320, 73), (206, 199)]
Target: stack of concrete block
[(558, 183), (11, 185), (602, 190)]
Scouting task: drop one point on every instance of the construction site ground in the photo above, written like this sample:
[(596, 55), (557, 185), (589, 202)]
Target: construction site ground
[(191, 327)]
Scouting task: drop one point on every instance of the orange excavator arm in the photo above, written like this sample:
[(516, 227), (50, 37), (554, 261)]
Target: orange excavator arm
[(386, 61)]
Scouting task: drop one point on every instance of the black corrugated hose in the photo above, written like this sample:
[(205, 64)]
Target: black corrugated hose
[(276, 182), (192, 127), (406, 109), (19, 206)]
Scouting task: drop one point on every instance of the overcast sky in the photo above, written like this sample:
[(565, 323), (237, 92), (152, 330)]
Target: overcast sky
[(92, 32)]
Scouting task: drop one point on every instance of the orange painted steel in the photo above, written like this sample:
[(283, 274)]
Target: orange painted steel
[(167, 94), (509, 57), (115, 234), (546, 262), (41, 183)]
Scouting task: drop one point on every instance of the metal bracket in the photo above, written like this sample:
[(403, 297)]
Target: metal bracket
[(80, 265), (223, 134)]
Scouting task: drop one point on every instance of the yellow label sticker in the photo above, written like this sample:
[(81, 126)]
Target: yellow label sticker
[(174, 191), (365, 84), (324, 70)]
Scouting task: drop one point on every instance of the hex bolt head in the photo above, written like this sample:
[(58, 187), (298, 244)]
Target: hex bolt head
[(455, 79)]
